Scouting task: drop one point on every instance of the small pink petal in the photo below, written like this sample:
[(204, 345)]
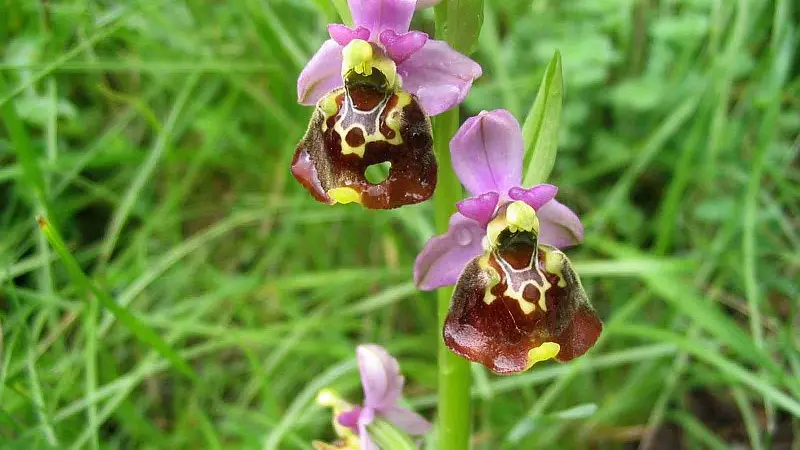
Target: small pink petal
[(400, 47), (440, 76), (480, 208), (379, 15), (349, 419), (443, 258), (536, 196), (322, 74), (380, 376), (558, 225), (343, 34), (487, 152)]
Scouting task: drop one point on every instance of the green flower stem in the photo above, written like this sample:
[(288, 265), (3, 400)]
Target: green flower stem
[(454, 372)]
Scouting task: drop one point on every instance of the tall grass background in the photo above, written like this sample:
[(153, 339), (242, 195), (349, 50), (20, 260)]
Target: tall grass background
[(155, 138)]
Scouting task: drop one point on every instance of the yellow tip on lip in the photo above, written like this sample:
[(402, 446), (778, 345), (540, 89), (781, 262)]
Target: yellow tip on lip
[(344, 195), (543, 352)]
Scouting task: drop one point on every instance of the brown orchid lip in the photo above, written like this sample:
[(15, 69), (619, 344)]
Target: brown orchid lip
[(518, 304), (361, 125)]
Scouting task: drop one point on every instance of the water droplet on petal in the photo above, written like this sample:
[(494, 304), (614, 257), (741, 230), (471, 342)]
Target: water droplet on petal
[(463, 237)]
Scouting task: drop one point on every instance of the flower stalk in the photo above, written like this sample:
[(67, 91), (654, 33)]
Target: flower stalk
[(455, 378), (454, 409)]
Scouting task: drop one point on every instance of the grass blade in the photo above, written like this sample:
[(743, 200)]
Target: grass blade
[(145, 171), (136, 326), (715, 359)]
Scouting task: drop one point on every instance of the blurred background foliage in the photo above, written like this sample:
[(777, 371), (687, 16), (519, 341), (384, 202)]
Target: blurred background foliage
[(157, 136)]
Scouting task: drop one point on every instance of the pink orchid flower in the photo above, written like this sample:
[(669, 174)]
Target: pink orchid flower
[(430, 69)]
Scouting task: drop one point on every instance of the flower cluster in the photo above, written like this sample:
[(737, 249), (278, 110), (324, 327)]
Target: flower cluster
[(517, 299)]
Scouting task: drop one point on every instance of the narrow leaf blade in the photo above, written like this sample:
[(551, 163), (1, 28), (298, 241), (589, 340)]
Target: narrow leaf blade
[(540, 131), (130, 321)]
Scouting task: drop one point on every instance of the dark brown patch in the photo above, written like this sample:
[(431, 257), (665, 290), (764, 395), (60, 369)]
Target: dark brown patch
[(366, 99), (355, 137)]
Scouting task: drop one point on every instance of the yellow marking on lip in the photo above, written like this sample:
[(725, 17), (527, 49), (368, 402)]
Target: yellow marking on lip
[(394, 118), (344, 195), (393, 121), (543, 352), (347, 149), (493, 278), (543, 292), (554, 263), (328, 105), (521, 217), (527, 307)]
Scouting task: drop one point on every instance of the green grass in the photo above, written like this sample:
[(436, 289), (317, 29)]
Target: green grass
[(156, 139)]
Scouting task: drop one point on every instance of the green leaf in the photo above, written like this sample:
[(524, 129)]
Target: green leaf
[(459, 23), (22, 144), (136, 326), (344, 11), (540, 131)]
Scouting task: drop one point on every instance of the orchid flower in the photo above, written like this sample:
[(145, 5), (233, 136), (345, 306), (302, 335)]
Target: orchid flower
[(517, 299), (520, 302), (487, 153), (392, 80), (383, 385), (430, 69)]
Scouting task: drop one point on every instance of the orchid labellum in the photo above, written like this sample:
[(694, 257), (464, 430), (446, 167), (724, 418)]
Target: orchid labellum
[(520, 302)]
